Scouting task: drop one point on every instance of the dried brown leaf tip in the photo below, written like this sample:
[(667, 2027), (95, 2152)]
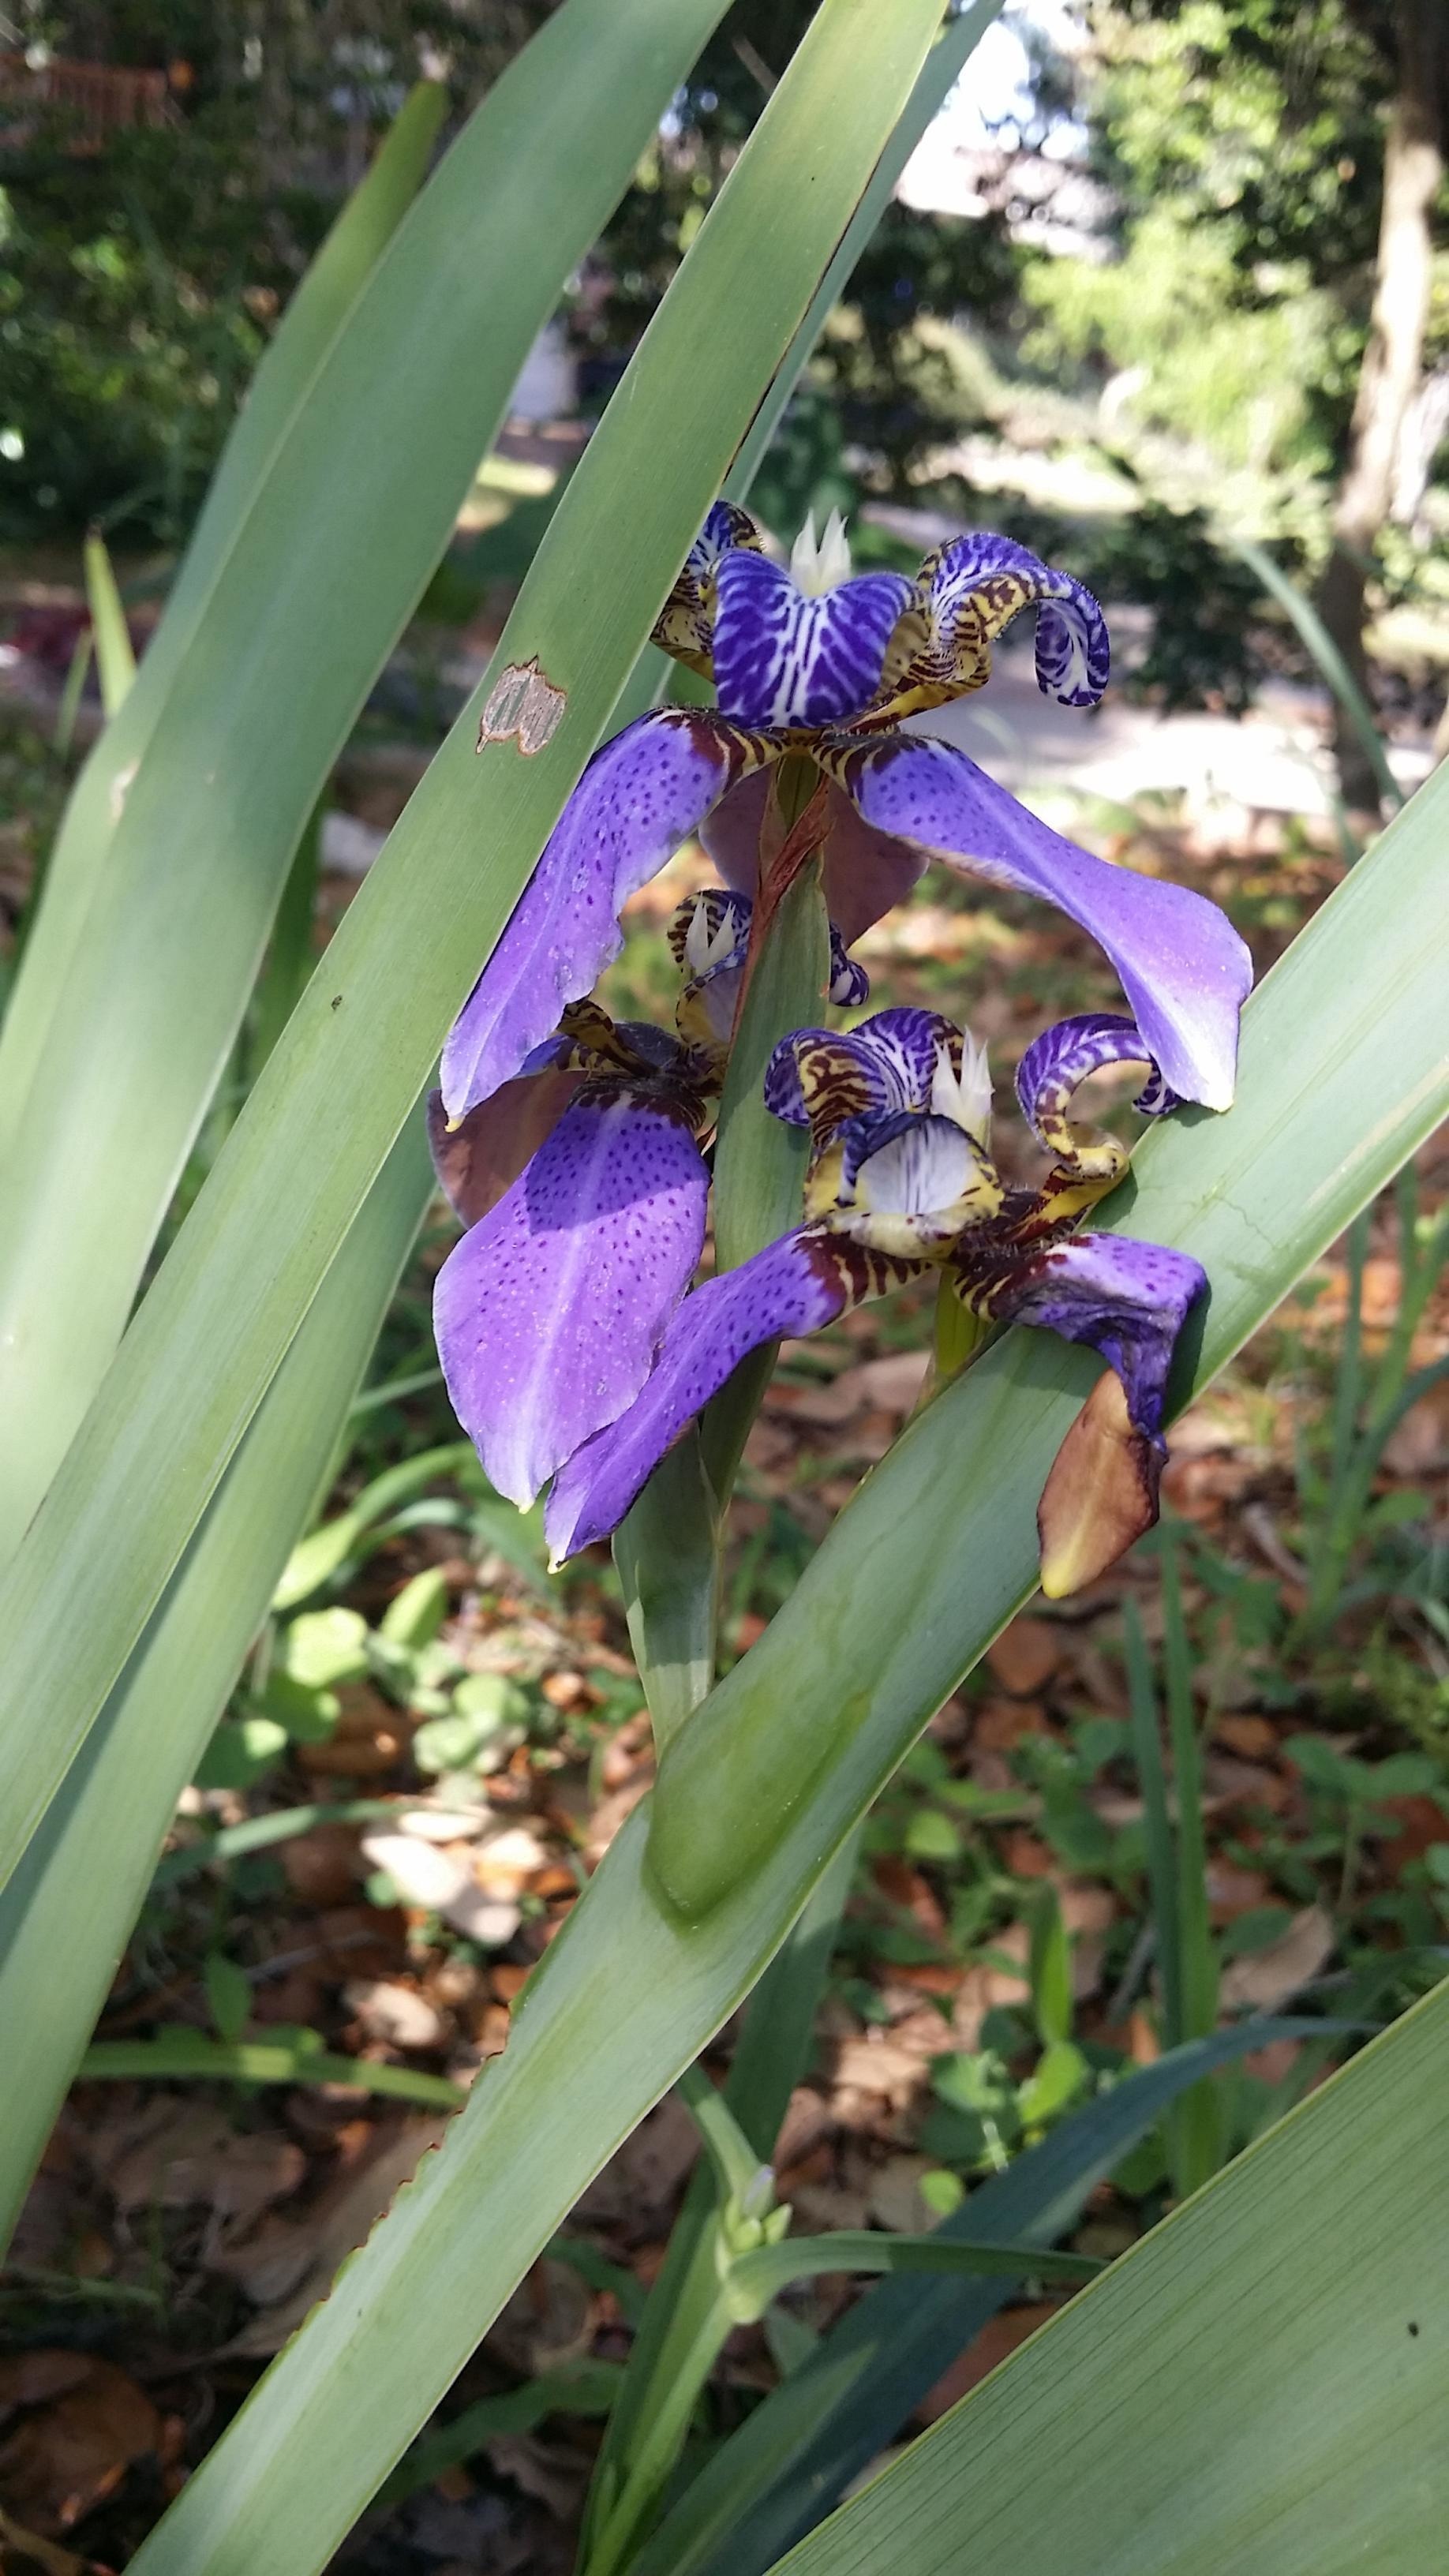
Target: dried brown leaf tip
[(1101, 1493), (523, 707)]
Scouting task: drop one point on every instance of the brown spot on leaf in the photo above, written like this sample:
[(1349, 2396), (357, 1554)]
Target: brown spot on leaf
[(522, 706)]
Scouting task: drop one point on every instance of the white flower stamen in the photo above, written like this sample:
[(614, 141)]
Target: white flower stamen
[(964, 1098), (704, 947), (814, 569)]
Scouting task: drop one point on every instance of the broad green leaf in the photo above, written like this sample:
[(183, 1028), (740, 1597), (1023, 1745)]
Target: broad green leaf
[(1260, 2385), (771, 2057), (323, 565), (66, 1916), (347, 1071), (1344, 1072), (796, 2454)]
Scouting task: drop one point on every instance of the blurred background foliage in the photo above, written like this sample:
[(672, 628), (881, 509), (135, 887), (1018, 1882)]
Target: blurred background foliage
[(1131, 324)]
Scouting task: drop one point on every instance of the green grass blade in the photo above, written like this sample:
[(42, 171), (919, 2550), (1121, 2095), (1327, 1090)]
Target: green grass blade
[(1195, 2129), (1161, 1857), (66, 1916), (794, 2456), (362, 1041), (758, 2277), (1304, 616), (183, 2055), (311, 321), (320, 572), (115, 661), (1259, 2385), (771, 2057)]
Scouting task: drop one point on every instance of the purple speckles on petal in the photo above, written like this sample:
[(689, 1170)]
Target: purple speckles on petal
[(795, 1285), (1127, 1299), (1182, 965), (781, 658), (637, 800), (549, 1312)]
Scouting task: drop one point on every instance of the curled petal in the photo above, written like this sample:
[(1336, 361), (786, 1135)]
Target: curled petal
[(849, 984), (781, 658), (1057, 1063), (685, 625), (823, 1078), (973, 587), (637, 800), (795, 1285), (549, 1312), (1127, 1300), (482, 1156), (1182, 965)]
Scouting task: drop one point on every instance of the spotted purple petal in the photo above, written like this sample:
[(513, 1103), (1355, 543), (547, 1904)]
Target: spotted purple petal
[(637, 800), (1126, 1299), (795, 1285), (1182, 965), (482, 1156), (549, 1312), (781, 658)]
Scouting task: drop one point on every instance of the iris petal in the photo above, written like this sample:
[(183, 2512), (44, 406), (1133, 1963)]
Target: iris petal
[(482, 1156), (685, 624), (637, 800), (795, 1285), (1129, 1301), (781, 658), (1182, 965), (549, 1312), (972, 588), (824, 1078)]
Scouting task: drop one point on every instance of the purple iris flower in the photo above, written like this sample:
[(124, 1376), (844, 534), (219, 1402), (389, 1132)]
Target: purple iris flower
[(901, 1183), (583, 1187), (810, 663)]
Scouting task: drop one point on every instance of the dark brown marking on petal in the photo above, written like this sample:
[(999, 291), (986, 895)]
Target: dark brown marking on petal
[(853, 1271)]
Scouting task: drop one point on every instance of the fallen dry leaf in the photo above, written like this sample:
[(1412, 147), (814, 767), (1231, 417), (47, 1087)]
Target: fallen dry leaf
[(394, 2012), (178, 2154), (1001, 2335), (1002, 1723), (1025, 1655), (75, 2441), (24, 2553), (1270, 1976), (1232, 1891), (289, 2266)]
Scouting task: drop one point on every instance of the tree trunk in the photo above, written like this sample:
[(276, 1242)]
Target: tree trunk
[(1389, 378)]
